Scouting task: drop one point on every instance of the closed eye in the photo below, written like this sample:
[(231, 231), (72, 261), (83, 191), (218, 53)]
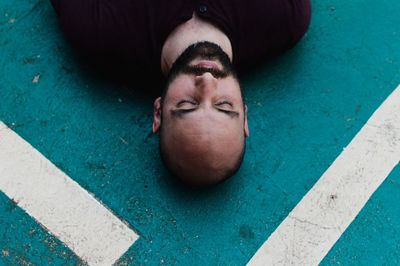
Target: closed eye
[(224, 103), (183, 102)]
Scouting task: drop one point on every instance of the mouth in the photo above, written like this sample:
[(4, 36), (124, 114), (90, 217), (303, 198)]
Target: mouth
[(207, 64), (201, 66)]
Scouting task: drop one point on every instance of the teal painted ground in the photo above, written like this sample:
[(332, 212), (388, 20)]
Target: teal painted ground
[(304, 107), (373, 238)]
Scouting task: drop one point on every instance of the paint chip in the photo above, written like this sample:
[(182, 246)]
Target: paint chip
[(32, 232), (6, 253), (28, 61), (36, 78)]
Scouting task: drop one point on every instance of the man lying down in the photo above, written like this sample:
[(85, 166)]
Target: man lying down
[(199, 46)]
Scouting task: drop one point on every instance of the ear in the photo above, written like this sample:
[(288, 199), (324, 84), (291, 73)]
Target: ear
[(246, 126), (157, 115)]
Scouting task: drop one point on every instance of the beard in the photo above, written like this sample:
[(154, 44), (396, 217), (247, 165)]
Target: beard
[(202, 50)]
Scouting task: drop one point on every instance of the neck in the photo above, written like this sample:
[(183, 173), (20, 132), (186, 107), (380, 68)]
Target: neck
[(192, 31)]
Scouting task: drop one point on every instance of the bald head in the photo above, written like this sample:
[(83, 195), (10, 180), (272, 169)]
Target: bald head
[(202, 119), (201, 151)]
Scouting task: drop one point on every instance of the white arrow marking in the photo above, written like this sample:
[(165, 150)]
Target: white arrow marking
[(321, 217), (57, 202)]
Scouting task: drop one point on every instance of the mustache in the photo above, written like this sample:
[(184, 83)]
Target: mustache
[(199, 70)]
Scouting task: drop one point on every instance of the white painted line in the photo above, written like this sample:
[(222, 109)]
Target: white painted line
[(57, 202), (320, 218)]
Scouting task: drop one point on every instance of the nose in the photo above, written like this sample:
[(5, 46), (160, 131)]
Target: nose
[(206, 82)]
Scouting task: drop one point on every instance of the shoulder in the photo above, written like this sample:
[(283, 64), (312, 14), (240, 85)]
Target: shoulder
[(265, 29)]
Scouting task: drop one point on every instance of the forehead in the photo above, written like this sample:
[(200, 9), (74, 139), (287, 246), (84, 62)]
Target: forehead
[(211, 136)]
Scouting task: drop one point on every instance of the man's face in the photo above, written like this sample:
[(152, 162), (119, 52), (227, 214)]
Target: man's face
[(203, 116)]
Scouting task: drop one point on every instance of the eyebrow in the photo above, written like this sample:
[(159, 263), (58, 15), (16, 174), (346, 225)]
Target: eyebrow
[(181, 112)]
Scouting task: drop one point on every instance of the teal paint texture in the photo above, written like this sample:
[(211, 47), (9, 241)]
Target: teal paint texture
[(304, 107), (373, 238), (24, 242)]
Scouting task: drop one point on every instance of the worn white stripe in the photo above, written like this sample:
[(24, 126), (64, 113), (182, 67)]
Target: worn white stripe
[(58, 203), (320, 218)]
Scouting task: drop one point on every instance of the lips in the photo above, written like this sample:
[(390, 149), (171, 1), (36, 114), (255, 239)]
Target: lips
[(207, 64)]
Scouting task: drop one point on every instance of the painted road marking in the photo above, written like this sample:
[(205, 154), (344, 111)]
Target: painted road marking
[(57, 202), (320, 218)]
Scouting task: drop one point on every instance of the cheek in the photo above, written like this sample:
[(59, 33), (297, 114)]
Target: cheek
[(179, 87), (232, 89)]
